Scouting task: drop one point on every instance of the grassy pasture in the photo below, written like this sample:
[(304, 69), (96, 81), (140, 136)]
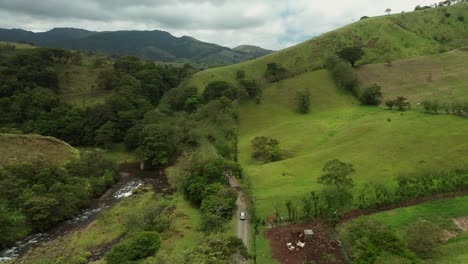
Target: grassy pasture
[(442, 77), (379, 143), (17, 148), (440, 213)]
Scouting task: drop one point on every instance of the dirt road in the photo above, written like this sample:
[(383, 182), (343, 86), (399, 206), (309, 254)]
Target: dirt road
[(242, 225)]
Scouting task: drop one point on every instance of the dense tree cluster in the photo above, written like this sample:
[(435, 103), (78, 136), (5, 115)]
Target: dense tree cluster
[(29, 97), (34, 197), (206, 184), (275, 72)]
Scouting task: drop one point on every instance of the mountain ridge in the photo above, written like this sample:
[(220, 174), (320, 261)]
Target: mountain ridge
[(155, 45)]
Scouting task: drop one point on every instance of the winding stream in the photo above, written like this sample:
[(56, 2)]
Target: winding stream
[(124, 188)]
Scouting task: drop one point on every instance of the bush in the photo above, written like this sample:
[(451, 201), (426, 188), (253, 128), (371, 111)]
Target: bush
[(371, 95), (423, 238), (461, 18), (275, 72), (303, 101), (266, 149), (369, 240), (141, 246)]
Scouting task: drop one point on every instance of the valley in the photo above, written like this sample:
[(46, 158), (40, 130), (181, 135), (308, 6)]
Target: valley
[(359, 134)]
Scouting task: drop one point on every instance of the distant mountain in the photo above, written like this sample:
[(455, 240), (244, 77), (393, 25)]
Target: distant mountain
[(154, 45)]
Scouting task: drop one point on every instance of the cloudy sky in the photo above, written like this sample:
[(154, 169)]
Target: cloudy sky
[(272, 24)]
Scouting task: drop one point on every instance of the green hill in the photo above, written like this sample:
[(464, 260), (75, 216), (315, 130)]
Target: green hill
[(379, 143), (442, 77), (15, 148), (393, 37)]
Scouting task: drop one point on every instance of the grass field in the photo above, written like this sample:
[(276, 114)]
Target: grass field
[(16, 148), (439, 213), (338, 127), (392, 37), (442, 77)]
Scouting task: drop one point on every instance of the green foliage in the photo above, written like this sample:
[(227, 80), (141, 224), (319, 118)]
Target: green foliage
[(218, 89), (105, 135), (219, 248), (141, 246), (37, 196), (158, 145), (252, 89), (337, 174), (423, 238), (240, 75), (303, 101), (108, 79), (371, 95), (275, 72), (217, 208), (400, 103), (266, 149), (343, 74), (351, 54), (181, 99), (12, 225), (370, 240)]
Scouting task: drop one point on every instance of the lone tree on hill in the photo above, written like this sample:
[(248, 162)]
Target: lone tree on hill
[(351, 54), (388, 11), (337, 174)]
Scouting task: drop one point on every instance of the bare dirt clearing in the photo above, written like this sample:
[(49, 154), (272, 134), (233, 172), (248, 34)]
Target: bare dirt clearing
[(321, 249)]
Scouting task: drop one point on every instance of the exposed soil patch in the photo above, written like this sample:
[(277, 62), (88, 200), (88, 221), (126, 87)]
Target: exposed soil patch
[(321, 249), (461, 222), (449, 234)]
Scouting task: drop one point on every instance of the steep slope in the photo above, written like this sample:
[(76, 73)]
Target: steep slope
[(154, 45), (384, 38)]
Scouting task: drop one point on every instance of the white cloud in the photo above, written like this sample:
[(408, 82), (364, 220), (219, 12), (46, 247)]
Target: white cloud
[(267, 23)]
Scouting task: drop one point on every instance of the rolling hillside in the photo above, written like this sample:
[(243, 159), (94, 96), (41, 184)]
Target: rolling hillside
[(15, 148), (154, 45), (393, 37), (442, 77)]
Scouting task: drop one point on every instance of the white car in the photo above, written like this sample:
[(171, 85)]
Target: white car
[(242, 216)]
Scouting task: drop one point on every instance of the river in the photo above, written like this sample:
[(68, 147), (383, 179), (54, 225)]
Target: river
[(130, 179)]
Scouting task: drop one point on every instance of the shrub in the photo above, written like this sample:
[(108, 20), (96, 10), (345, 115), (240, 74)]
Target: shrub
[(423, 238), (303, 101), (240, 75), (139, 247), (461, 18), (266, 149), (370, 239), (371, 95)]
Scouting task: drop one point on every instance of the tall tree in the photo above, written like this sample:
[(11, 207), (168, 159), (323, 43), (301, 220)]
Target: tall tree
[(351, 54), (337, 174)]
